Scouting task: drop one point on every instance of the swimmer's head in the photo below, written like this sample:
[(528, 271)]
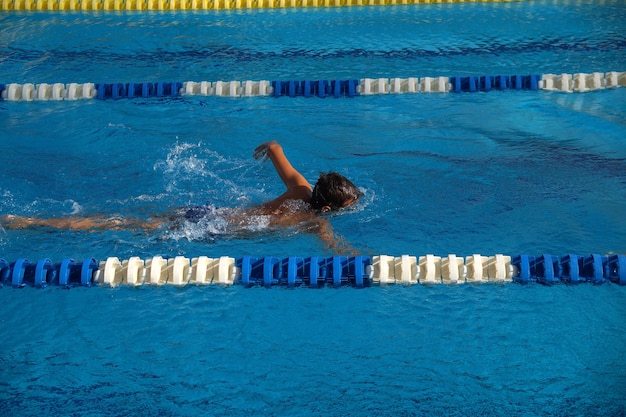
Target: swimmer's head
[(332, 192)]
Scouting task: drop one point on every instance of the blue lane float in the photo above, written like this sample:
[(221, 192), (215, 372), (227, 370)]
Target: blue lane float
[(118, 91), (45, 272), (499, 82), (316, 271), (311, 271), (569, 83), (315, 88)]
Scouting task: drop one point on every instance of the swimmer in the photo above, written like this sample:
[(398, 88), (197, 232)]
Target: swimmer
[(299, 205)]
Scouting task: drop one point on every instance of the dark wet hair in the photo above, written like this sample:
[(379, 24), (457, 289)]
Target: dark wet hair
[(333, 190)]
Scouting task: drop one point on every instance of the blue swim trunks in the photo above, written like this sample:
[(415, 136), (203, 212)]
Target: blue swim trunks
[(196, 213)]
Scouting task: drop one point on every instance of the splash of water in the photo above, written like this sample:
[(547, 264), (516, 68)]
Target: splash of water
[(209, 222), (194, 172)]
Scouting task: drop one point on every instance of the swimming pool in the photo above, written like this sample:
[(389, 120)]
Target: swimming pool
[(499, 172)]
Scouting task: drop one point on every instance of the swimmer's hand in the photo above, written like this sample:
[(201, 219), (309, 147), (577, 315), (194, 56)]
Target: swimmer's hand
[(260, 152)]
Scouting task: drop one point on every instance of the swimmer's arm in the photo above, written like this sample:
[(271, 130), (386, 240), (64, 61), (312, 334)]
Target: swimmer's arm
[(79, 223), (332, 241), (287, 173)]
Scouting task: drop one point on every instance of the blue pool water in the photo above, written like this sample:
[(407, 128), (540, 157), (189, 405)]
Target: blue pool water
[(464, 350), (499, 172)]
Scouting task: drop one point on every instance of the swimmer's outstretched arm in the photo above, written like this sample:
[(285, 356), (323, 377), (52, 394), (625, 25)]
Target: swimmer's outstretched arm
[(78, 223)]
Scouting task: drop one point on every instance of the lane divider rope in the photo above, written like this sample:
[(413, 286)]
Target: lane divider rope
[(568, 83), (335, 271), (140, 5)]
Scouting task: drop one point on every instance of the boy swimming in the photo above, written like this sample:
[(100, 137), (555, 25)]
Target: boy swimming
[(299, 205)]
